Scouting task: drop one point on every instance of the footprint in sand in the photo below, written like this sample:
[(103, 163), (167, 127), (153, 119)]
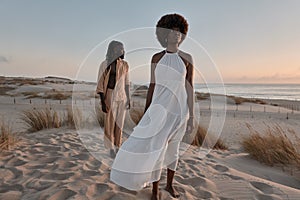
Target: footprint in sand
[(38, 185), (75, 145), (190, 162), (17, 173), (82, 156), (204, 194), (269, 193), (266, 197), (97, 189), (89, 173), (63, 164), (50, 148), (35, 151), (93, 164), (225, 198), (234, 177), (63, 194), (197, 181), (6, 174), (15, 162), (87, 166), (7, 188), (34, 166), (212, 161), (220, 168), (11, 195), (265, 188), (48, 159), (57, 176)]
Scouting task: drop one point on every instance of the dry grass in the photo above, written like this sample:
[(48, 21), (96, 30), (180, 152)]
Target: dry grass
[(140, 93), (99, 115), (240, 100), (42, 119), (202, 96), (273, 146), (46, 118), (49, 95), (74, 118), (200, 135), (93, 95), (4, 89), (57, 95), (7, 137), (2, 79), (28, 81), (20, 81), (136, 114), (133, 117)]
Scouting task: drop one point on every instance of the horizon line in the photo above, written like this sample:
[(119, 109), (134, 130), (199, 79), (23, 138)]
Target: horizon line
[(138, 82)]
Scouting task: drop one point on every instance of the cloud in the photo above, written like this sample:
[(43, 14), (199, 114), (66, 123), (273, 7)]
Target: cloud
[(273, 78), (281, 77), (3, 59)]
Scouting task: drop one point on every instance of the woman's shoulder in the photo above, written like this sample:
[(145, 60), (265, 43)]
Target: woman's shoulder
[(186, 57), (156, 57), (184, 54)]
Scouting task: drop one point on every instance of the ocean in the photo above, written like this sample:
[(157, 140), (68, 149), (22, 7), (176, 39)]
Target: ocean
[(263, 91)]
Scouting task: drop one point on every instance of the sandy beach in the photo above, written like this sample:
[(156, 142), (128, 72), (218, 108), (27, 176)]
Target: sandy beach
[(56, 163)]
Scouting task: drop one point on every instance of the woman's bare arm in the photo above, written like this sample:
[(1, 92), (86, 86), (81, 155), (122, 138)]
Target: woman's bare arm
[(151, 86), (154, 61), (190, 85)]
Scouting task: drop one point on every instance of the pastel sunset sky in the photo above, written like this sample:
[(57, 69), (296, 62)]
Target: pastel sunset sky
[(248, 41)]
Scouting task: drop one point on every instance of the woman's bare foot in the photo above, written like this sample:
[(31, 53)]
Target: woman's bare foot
[(172, 191), (155, 191), (155, 196)]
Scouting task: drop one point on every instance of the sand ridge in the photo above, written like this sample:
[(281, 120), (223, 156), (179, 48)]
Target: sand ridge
[(53, 164)]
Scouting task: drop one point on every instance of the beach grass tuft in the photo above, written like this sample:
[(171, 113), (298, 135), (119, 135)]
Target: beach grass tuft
[(58, 95), (240, 100), (74, 118), (7, 137), (136, 114), (44, 118), (4, 89), (202, 138), (202, 96), (273, 146), (100, 116)]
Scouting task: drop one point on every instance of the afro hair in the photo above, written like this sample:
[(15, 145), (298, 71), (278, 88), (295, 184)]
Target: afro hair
[(169, 22)]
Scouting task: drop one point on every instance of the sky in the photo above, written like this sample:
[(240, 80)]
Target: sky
[(248, 41)]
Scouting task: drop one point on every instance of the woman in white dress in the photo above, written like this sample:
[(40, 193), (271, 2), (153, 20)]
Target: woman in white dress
[(154, 142)]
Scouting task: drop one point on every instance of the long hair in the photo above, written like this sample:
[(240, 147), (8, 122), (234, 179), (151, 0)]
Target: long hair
[(110, 55)]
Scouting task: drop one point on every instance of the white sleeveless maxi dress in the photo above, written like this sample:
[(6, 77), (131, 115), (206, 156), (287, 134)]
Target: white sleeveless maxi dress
[(154, 142)]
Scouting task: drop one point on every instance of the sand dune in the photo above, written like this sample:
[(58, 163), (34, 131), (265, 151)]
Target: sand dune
[(67, 164), (53, 164)]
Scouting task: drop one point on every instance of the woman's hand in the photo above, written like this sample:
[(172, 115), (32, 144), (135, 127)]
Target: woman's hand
[(104, 109), (127, 105), (190, 125)]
